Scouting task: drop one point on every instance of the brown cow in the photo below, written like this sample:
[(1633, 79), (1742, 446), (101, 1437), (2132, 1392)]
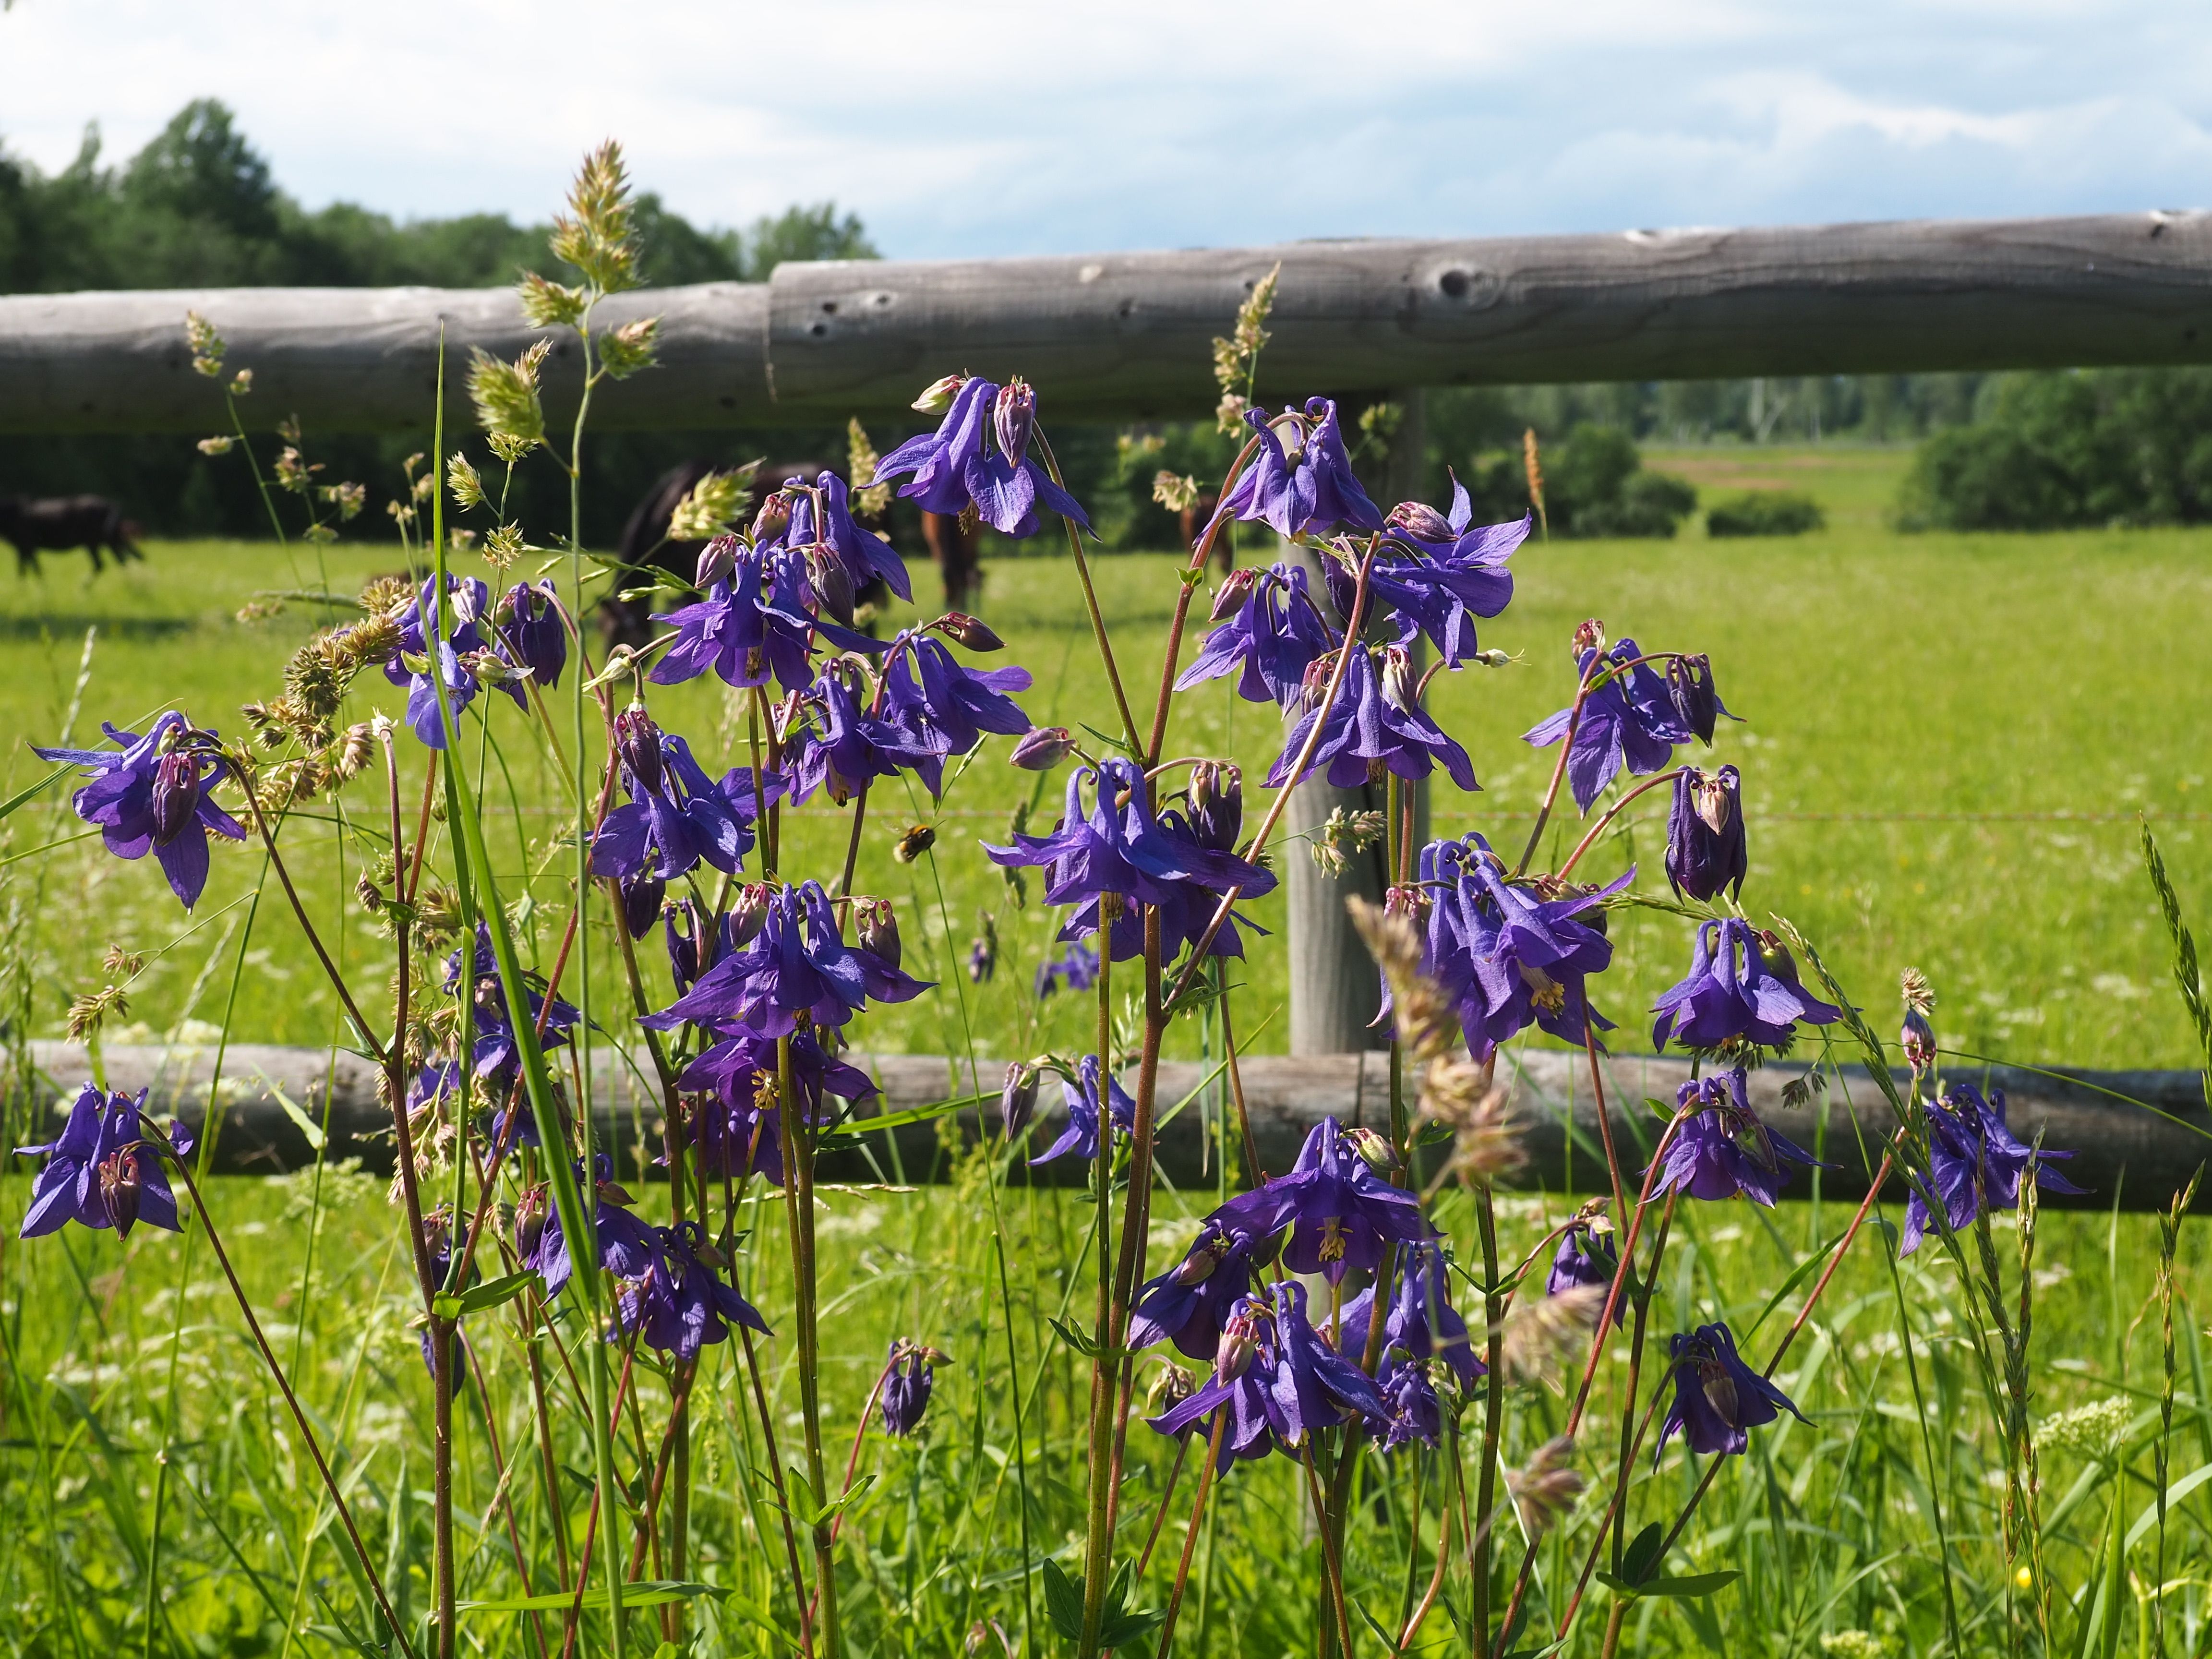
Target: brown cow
[(57, 523)]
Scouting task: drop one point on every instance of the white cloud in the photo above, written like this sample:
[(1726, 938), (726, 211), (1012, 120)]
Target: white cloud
[(972, 126)]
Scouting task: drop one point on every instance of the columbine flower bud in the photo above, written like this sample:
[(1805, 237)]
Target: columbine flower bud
[(749, 914), (716, 560), (176, 794), (1690, 689), (1399, 686), (1233, 1356), (963, 629), (641, 895), (1590, 636), (879, 930), (530, 1212), (1492, 658), (1043, 748), (1374, 1151), (1422, 522), (1917, 1039), (938, 396), (1017, 1099), (119, 1187), (831, 582), (912, 844), (1204, 1256), (1235, 589), (637, 740), (773, 519), (1169, 1390), (1013, 417), (1216, 804)]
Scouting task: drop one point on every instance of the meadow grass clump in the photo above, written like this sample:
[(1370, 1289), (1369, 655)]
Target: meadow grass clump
[(519, 1400)]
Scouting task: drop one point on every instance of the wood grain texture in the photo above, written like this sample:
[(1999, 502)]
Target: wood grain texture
[(2140, 1155), (1126, 335)]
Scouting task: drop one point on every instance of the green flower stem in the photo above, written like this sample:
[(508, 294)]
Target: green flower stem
[(1097, 617), (798, 1207), (578, 1221), (1494, 1418), (1098, 1538)]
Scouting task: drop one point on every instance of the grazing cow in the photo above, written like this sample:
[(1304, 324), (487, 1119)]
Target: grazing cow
[(954, 542), (57, 523)]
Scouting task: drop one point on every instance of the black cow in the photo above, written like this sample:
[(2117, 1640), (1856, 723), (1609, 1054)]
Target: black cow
[(57, 523)]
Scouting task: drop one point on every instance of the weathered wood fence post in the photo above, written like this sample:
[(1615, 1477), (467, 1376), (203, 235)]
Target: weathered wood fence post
[(1334, 992)]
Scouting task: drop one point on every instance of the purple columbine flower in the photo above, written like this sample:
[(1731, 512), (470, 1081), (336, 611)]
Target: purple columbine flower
[(627, 1245), (1243, 1371), (101, 1171), (1589, 1254), (1419, 1322), (1974, 1159), (1314, 1386), (152, 794), (1717, 1398), (1376, 726), (1121, 847), (639, 898), (530, 633), (1409, 1396), (678, 1304), (978, 458), (1342, 1215), (1270, 632), (1628, 719), (758, 620), (839, 745), (799, 965), (1438, 574), (1081, 1093), (940, 710), (676, 814), (1076, 966), (864, 556), (1704, 833), (908, 1377), (1743, 989), (1190, 1303), (1726, 1149), (497, 1054), (1300, 481), (1511, 954), (738, 1128), (468, 604)]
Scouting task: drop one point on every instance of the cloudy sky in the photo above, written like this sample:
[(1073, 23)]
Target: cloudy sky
[(974, 127)]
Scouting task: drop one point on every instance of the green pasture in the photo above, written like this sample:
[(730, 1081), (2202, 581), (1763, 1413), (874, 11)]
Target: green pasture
[(1947, 739)]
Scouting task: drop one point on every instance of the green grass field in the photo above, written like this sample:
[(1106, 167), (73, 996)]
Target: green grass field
[(1948, 739)]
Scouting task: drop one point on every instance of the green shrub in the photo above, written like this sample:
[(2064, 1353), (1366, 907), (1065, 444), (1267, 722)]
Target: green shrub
[(2058, 451), (1766, 513)]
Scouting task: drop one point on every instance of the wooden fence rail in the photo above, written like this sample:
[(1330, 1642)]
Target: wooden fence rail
[(1126, 335), (2139, 1153)]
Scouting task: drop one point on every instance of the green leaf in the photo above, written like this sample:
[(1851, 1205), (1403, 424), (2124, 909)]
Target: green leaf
[(644, 1593), (1702, 1584), (1434, 1134), (479, 1297), (1063, 1601), (1643, 1553), (299, 1113), (848, 1137), (1075, 1339)]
